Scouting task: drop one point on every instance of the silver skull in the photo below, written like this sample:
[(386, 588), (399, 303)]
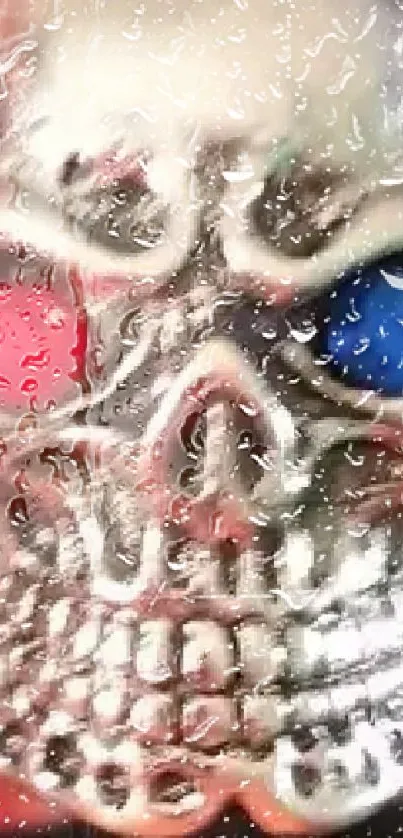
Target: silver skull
[(201, 572)]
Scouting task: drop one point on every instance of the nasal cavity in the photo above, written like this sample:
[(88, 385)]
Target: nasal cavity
[(70, 169), (113, 785)]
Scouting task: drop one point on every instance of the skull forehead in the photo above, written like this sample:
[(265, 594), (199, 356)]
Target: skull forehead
[(157, 76)]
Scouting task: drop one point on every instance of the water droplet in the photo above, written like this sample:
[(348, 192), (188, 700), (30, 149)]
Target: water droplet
[(36, 362), (130, 327), (364, 343), (18, 512), (5, 291), (134, 34), (55, 24), (236, 114), (355, 459), (304, 334), (239, 175), (249, 408), (269, 333), (354, 316), (29, 385), (54, 317), (394, 279), (359, 529), (179, 563)]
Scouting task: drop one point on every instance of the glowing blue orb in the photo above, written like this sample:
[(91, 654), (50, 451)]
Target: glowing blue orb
[(364, 334)]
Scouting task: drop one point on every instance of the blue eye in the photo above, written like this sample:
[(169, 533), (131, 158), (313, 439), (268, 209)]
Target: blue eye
[(363, 332)]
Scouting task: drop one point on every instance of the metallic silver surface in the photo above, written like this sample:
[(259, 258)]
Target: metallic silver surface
[(201, 583)]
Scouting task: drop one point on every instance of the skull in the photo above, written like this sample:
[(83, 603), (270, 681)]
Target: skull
[(201, 463)]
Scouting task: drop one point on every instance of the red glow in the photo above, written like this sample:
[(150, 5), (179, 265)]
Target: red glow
[(43, 339)]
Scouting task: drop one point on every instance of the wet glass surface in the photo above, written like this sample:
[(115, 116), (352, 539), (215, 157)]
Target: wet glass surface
[(201, 381)]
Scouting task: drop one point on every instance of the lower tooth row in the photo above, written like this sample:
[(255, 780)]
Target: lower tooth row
[(303, 768), (335, 719)]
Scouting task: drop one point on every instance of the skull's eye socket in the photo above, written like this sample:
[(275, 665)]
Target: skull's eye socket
[(119, 211), (62, 759), (287, 207), (300, 210), (122, 204)]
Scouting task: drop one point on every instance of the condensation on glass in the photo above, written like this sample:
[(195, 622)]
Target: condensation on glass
[(200, 409)]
